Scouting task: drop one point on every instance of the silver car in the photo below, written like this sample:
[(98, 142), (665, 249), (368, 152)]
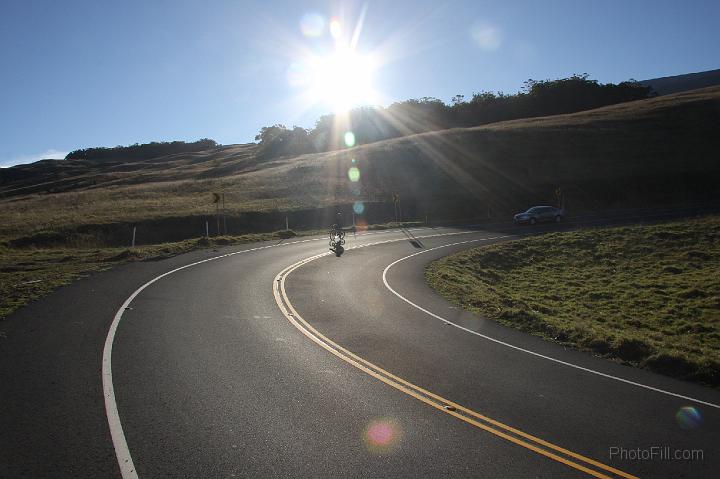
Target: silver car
[(538, 214)]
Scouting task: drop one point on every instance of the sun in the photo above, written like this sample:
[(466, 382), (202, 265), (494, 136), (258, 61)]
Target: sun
[(330, 70), (342, 79)]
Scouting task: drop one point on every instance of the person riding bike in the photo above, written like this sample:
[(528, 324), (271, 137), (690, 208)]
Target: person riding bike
[(337, 236)]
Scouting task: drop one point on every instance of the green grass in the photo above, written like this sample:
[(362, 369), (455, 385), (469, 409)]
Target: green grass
[(648, 296), (27, 274), (394, 225)]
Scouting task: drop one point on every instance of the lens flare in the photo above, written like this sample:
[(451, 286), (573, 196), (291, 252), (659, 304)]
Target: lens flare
[(358, 207), (349, 139), (688, 418), (486, 37), (335, 28), (354, 174), (312, 24), (382, 435)]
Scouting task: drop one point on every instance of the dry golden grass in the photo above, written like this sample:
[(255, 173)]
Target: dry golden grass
[(671, 142)]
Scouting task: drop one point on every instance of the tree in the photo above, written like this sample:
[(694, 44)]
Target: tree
[(458, 99), (269, 133), (278, 140)]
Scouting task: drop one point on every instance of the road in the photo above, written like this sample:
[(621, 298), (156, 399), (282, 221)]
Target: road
[(279, 360)]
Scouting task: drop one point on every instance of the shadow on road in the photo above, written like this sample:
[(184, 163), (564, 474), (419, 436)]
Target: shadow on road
[(413, 239)]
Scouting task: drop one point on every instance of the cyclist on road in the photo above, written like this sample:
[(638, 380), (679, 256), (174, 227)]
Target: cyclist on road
[(337, 236)]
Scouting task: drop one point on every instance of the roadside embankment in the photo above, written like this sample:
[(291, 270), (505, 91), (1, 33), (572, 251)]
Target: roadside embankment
[(647, 296)]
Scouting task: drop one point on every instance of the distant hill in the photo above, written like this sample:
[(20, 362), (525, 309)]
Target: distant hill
[(680, 83), (109, 169), (658, 151), (141, 151)]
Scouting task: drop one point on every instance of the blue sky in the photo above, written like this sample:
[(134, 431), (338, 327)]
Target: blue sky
[(77, 74)]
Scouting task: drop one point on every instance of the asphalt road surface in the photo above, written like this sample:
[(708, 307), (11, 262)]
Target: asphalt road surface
[(284, 360)]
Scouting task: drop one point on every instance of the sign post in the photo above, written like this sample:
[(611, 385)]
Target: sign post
[(223, 215), (396, 201), (216, 200)]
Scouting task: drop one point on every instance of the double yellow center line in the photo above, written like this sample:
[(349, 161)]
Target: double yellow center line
[(520, 438)]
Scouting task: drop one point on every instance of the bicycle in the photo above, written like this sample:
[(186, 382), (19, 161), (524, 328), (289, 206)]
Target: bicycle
[(337, 237)]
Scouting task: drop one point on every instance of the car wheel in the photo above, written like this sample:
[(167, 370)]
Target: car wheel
[(533, 221), (558, 219)]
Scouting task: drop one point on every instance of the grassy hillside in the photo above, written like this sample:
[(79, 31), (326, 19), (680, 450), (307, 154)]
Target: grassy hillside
[(646, 295), (688, 81), (661, 150), (27, 274)]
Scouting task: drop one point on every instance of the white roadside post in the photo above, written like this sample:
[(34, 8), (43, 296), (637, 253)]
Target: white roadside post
[(133, 239), (223, 215)]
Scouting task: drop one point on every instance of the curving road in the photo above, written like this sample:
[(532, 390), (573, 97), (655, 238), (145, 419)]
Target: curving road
[(282, 360)]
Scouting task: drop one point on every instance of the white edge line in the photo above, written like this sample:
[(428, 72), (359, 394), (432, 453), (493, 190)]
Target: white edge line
[(565, 363), (127, 468), (122, 452)]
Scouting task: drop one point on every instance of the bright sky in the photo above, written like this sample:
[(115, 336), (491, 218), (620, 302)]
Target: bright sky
[(77, 74)]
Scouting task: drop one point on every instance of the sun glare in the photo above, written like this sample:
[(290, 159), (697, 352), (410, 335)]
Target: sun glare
[(338, 78), (342, 80)]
